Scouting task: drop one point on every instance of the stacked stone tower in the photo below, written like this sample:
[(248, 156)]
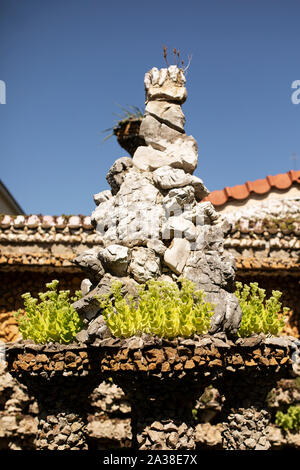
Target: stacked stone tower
[(152, 221)]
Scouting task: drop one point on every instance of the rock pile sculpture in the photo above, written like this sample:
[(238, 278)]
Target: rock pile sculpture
[(153, 223)]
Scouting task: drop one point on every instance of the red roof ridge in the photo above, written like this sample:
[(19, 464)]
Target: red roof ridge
[(241, 192)]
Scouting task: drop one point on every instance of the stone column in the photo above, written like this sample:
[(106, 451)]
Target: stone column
[(62, 413), (246, 424), (161, 414), (247, 429), (61, 381), (63, 407)]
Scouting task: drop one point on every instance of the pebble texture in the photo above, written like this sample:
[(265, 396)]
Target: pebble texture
[(163, 382), (247, 429)]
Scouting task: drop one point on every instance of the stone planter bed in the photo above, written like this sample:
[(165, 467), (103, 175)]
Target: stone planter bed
[(162, 379), (159, 357)]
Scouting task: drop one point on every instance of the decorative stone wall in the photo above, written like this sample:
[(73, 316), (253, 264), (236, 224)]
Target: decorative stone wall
[(109, 424), (161, 400)]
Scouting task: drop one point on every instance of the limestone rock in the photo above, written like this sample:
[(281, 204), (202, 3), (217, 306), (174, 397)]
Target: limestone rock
[(181, 154), (137, 187), (203, 214), (179, 199), (175, 257), (85, 286), (157, 246), (169, 178), (102, 197), (115, 259), (154, 213), (178, 227), (98, 329), (157, 134), (110, 430), (115, 176), (184, 152), (165, 278), (149, 159), (209, 435), (168, 113), (200, 190), (209, 238), (132, 215), (227, 312), (88, 307), (88, 261), (216, 270), (165, 84), (102, 215), (82, 336), (144, 265)]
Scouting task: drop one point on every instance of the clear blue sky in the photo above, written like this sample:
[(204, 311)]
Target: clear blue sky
[(66, 64)]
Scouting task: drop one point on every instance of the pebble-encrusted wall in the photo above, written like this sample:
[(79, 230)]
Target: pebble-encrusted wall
[(239, 374), (109, 424)]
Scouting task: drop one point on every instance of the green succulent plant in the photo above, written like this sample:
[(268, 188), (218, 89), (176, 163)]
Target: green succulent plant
[(289, 421), (52, 318), (260, 315), (162, 308)]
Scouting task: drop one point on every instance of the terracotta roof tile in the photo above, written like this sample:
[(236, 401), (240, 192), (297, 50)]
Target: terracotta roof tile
[(262, 186), (258, 186), (238, 192)]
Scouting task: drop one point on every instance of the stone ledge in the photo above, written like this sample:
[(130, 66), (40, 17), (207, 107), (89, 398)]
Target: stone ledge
[(202, 356)]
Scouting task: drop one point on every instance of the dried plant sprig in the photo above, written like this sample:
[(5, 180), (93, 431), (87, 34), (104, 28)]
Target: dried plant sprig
[(178, 61), (165, 54)]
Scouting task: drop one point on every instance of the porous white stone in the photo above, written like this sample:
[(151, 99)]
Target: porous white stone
[(157, 246), (156, 133), (148, 159), (156, 197), (184, 152), (168, 178), (201, 214), (178, 227), (88, 261), (85, 286), (144, 265), (200, 190), (179, 199), (116, 174), (165, 84), (176, 255), (102, 197), (115, 258), (170, 114)]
